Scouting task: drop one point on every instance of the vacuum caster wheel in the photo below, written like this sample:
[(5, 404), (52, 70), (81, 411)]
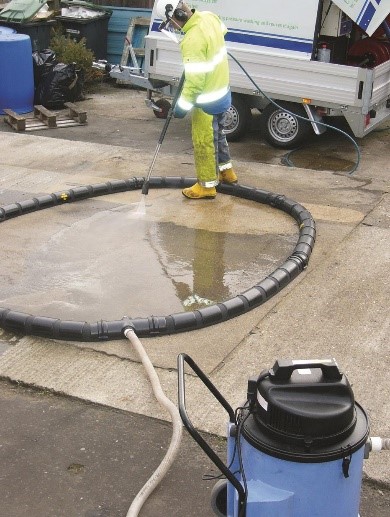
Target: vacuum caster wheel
[(219, 498)]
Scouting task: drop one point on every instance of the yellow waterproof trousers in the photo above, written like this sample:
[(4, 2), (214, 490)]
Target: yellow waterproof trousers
[(211, 150), (204, 149)]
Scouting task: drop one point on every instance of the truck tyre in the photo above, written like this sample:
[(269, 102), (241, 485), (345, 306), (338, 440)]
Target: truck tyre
[(237, 119), (281, 128)]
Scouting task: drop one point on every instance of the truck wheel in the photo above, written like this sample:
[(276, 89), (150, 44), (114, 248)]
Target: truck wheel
[(281, 128), (237, 119)]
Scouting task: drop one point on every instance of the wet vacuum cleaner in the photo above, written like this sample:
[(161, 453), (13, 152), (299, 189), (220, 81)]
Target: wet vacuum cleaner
[(295, 448)]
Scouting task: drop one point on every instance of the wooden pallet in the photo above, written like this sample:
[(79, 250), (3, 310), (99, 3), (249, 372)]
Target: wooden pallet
[(46, 119)]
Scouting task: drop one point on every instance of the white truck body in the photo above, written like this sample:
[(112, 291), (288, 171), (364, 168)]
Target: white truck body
[(277, 44)]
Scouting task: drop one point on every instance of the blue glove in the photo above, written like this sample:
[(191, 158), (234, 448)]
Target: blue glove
[(179, 112)]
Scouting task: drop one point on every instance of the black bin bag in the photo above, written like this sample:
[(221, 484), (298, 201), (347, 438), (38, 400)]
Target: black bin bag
[(43, 62), (63, 83)]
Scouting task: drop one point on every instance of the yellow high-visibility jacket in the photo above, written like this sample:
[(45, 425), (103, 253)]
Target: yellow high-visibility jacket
[(205, 64)]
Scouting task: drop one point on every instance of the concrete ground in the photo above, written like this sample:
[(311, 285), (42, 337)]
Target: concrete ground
[(93, 260), (64, 457)]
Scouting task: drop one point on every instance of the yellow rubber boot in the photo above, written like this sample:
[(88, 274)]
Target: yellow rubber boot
[(228, 176), (199, 192)]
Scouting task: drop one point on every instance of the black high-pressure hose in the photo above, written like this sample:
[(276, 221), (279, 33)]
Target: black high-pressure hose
[(145, 186), (299, 116)]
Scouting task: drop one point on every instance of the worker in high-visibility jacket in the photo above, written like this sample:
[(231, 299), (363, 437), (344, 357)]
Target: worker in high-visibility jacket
[(206, 91)]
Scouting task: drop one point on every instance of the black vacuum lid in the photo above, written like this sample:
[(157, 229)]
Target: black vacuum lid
[(308, 404)]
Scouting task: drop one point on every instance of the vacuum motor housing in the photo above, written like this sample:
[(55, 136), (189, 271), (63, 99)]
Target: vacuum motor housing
[(302, 443)]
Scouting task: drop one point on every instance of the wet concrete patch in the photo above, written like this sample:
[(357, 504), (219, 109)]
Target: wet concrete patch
[(315, 159), (85, 262), (254, 149)]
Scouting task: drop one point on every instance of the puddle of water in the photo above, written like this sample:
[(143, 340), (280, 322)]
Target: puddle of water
[(108, 265), (311, 160)]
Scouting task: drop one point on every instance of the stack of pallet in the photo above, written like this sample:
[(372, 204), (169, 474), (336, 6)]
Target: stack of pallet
[(45, 119)]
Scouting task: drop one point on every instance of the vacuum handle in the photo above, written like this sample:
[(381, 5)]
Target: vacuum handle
[(283, 369), (194, 433), (206, 381)]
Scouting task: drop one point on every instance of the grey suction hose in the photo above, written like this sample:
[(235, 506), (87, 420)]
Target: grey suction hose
[(300, 117), (170, 455), (145, 186)]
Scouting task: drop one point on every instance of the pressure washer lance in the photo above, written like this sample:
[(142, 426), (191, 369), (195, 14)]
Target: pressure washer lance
[(145, 187)]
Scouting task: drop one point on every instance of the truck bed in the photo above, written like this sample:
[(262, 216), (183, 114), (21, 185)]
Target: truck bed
[(326, 84)]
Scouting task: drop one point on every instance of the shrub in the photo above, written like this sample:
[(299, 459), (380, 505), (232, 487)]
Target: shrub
[(67, 51)]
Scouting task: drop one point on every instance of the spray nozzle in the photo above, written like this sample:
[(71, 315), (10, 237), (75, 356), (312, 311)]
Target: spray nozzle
[(145, 188)]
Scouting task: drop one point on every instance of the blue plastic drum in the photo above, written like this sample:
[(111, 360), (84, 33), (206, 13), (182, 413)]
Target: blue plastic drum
[(6, 30), (16, 72)]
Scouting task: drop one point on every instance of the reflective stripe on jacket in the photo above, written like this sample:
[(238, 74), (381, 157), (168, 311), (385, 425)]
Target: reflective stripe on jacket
[(205, 64)]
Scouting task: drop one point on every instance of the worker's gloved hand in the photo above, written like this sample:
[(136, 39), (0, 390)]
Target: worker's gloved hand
[(178, 112)]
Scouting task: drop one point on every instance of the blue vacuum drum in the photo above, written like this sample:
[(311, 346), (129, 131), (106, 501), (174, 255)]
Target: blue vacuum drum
[(294, 449), (301, 442)]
